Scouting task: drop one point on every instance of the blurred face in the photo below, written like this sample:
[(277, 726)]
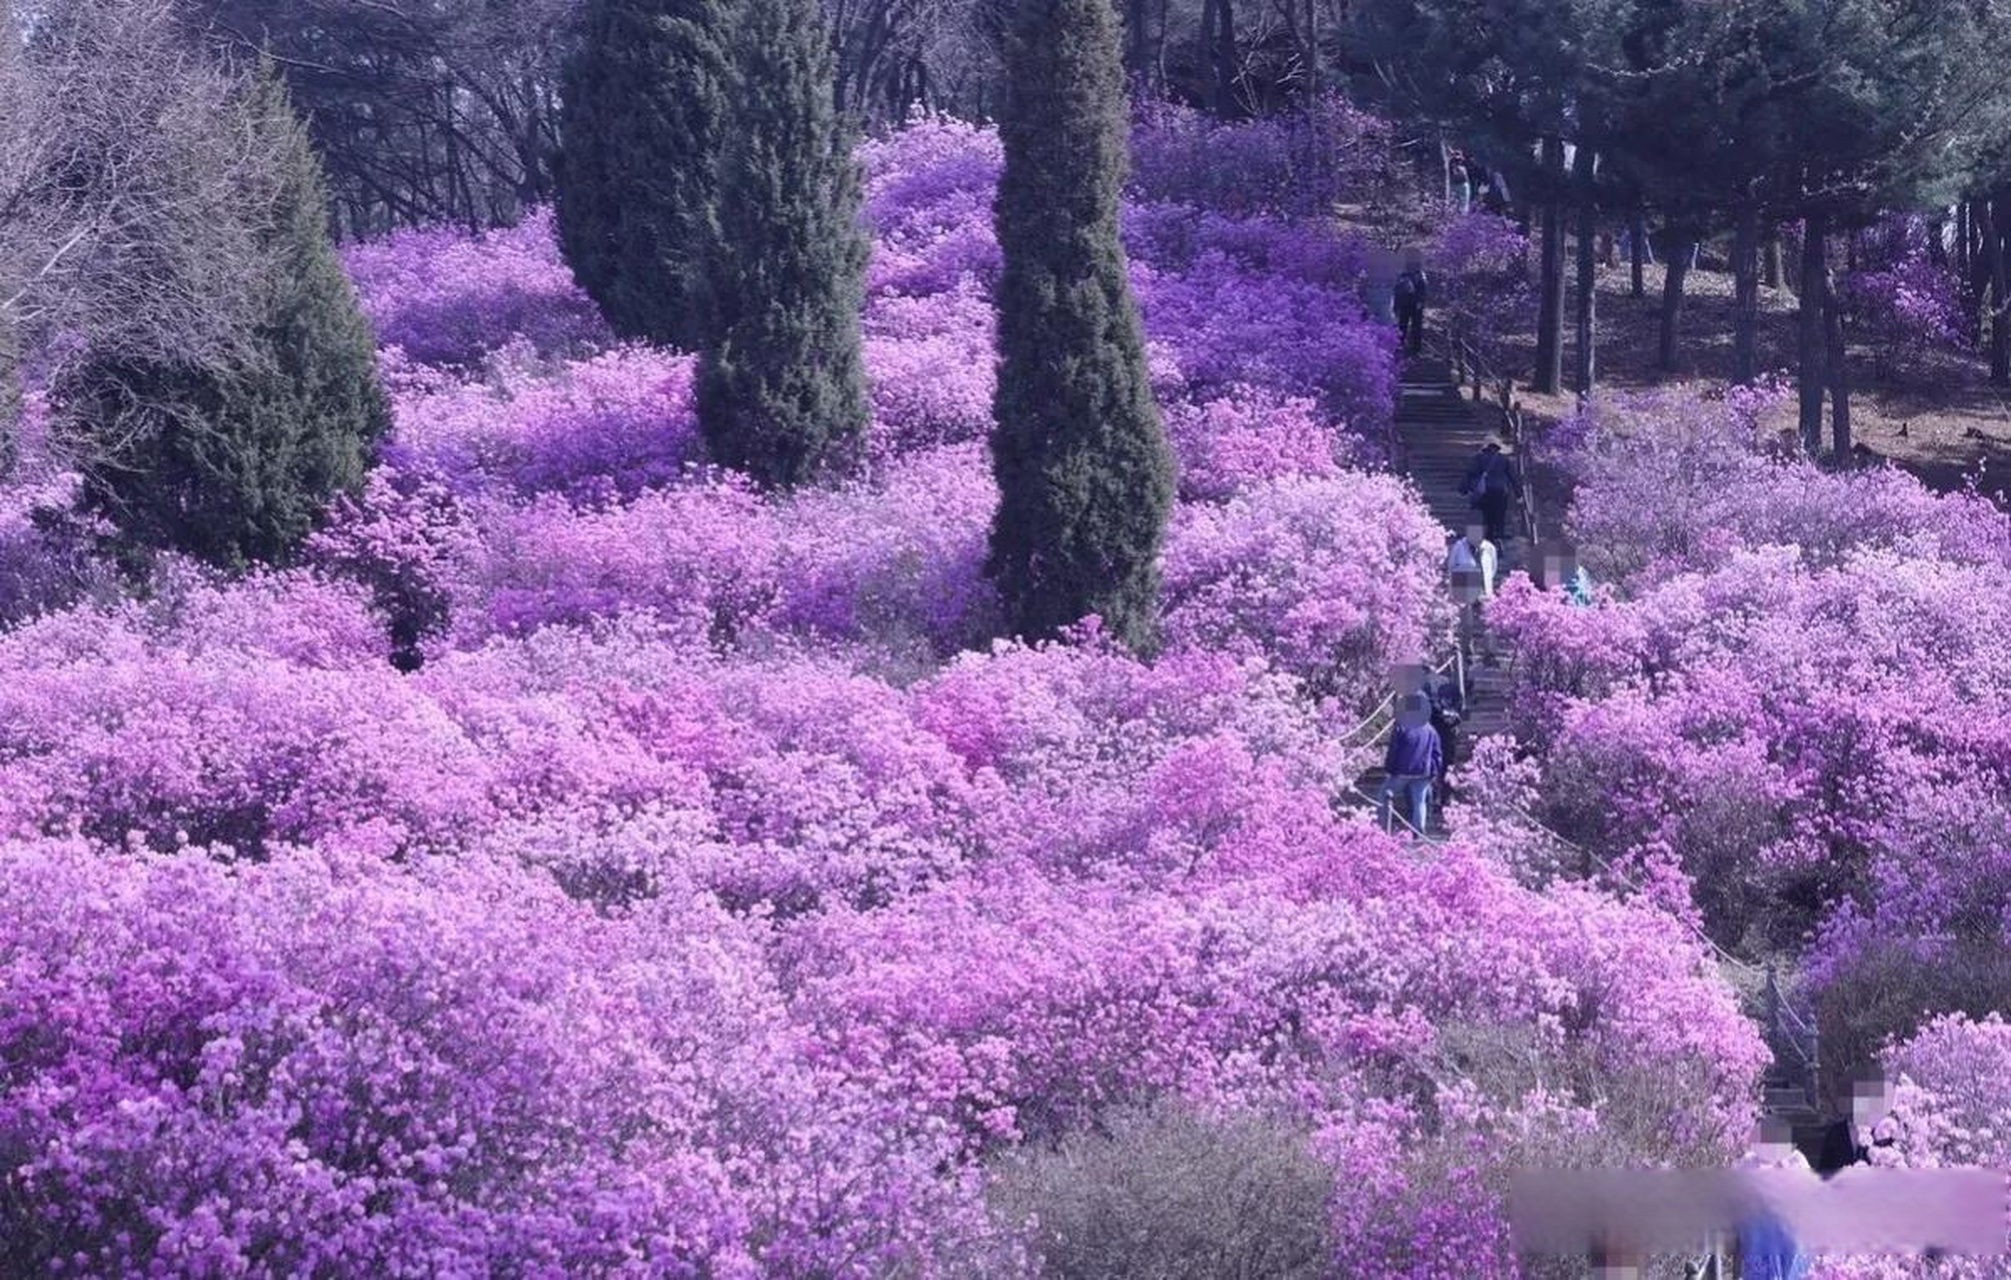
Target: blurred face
[(1870, 1101), (1772, 1140), (1413, 711)]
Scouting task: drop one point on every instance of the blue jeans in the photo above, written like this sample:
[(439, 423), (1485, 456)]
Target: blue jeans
[(1417, 797)]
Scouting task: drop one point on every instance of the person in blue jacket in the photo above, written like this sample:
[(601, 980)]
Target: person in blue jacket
[(1413, 761)]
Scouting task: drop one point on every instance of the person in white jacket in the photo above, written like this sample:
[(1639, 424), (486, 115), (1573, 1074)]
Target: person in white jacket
[(1471, 563)]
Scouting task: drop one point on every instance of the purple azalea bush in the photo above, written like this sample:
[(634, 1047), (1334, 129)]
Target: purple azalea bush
[(708, 891), (1789, 710)]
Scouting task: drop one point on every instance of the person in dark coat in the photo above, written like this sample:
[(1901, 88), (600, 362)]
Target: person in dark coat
[(1849, 1141), (1445, 718), (1409, 297), (1490, 482)]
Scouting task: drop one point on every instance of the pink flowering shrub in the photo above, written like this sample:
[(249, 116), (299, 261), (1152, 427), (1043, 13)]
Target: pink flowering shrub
[(1331, 579), (1667, 481), (1296, 164), (931, 363), (318, 1066), (1250, 436), (1225, 326), (583, 863), (619, 421), (704, 553), (1796, 701), (444, 297), (898, 560), (1479, 266), (1899, 300)]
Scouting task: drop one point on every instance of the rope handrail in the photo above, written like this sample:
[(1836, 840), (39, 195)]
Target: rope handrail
[(1388, 705), (1465, 357)]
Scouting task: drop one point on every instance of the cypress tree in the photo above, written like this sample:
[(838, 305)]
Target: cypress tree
[(782, 388), (1084, 472), (235, 461), (643, 105)]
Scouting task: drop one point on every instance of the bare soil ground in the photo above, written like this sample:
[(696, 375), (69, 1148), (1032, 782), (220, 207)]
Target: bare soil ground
[(1938, 417)]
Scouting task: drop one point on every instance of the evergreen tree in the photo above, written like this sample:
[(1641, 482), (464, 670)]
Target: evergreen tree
[(782, 390), (644, 104), (1084, 472), (236, 461)]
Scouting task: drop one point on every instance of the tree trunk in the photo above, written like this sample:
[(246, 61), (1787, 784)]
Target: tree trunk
[(1637, 237), (1839, 372), (1976, 279), (1312, 50), (1675, 271), (1746, 295), (1218, 36), (2000, 286), (1937, 249), (1773, 264), (1815, 267), (1549, 377), (1583, 170), (1137, 40), (10, 396)]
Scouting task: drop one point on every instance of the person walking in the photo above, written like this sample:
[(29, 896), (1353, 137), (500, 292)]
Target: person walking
[(1470, 566), (1462, 185), (1490, 481), (1770, 1176), (1563, 573), (1850, 1141), (1410, 296), (1446, 709), (1412, 763)]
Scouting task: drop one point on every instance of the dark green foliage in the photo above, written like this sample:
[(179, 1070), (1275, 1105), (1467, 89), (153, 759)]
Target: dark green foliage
[(644, 100), (235, 462), (1085, 476), (782, 389), (10, 394)]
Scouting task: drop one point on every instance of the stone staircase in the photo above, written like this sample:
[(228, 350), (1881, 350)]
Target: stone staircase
[(1437, 434)]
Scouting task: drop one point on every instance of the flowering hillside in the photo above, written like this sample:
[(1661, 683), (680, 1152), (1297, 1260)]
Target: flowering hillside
[(583, 863), (1788, 712)]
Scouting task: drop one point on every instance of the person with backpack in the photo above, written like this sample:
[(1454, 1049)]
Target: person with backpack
[(1490, 481), (1409, 298)]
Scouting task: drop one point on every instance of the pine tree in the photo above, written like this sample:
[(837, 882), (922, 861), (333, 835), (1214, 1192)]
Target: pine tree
[(235, 462), (1084, 472), (644, 104), (782, 389)]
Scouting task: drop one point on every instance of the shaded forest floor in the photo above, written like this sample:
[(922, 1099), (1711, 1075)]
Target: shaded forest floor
[(1936, 415)]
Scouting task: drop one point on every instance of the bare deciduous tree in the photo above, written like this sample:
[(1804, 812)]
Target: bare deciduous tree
[(131, 191)]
